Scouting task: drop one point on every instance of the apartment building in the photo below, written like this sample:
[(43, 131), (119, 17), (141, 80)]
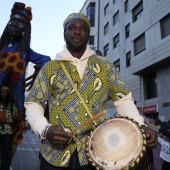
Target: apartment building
[(135, 36)]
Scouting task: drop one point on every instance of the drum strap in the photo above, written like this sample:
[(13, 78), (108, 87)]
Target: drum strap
[(78, 93)]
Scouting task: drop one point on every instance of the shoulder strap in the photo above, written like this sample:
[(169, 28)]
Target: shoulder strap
[(78, 93)]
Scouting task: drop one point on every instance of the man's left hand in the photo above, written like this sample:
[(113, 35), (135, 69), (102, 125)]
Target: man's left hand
[(151, 136)]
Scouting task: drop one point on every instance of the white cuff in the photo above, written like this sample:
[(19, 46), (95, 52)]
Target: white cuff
[(126, 107), (35, 117)]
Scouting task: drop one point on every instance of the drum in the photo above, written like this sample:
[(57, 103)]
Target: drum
[(118, 143)]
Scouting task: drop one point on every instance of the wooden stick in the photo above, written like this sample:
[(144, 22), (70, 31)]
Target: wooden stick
[(102, 113)]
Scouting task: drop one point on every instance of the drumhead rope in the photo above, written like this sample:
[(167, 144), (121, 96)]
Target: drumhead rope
[(117, 144)]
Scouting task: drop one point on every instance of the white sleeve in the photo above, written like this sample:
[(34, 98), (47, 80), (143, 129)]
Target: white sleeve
[(35, 117), (126, 107), (160, 140)]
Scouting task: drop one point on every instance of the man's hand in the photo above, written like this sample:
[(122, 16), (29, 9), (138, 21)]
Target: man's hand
[(151, 136), (31, 78), (57, 136)]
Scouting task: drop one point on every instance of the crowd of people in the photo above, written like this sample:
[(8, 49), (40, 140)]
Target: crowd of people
[(162, 127), (64, 93)]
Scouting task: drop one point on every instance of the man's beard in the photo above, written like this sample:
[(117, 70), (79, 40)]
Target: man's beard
[(76, 48)]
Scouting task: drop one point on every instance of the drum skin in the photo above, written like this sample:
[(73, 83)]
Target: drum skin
[(119, 143)]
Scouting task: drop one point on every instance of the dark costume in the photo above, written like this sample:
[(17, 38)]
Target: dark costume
[(15, 53), (9, 117), (12, 70)]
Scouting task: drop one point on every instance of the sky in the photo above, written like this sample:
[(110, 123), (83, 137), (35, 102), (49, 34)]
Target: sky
[(47, 23)]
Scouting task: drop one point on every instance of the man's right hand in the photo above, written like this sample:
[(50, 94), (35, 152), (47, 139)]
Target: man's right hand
[(57, 136)]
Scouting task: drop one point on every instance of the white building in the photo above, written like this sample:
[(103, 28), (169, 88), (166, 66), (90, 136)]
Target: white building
[(135, 36)]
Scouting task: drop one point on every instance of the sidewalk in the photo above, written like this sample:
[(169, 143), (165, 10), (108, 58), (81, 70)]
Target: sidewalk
[(27, 153)]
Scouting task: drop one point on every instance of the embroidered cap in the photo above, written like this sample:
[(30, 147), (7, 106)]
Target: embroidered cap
[(76, 15)]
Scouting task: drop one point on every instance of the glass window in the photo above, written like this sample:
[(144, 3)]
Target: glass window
[(117, 65), (114, 1), (137, 12), (106, 48), (116, 18), (106, 28), (128, 59), (126, 6), (139, 44), (116, 41), (91, 40), (127, 30), (91, 14), (106, 9), (165, 26), (150, 86)]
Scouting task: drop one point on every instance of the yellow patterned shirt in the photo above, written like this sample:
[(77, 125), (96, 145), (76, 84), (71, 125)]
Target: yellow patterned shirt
[(99, 82)]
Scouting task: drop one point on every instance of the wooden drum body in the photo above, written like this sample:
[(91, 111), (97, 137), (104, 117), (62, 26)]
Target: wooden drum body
[(118, 143)]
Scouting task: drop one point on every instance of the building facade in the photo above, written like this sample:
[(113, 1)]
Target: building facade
[(135, 36)]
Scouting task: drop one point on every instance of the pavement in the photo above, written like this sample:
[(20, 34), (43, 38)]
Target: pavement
[(27, 153)]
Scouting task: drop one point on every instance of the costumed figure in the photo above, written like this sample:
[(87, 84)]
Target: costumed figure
[(15, 53)]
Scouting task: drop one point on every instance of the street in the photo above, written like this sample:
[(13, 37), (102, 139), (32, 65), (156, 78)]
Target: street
[(26, 156)]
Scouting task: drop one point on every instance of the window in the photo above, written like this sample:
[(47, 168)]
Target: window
[(106, 48), (91, 13), (165, 26), (116, 41), (114, 1), (106, 28), (150, 86), (126, 6), (106, 9), (116, 18), (127, 30), (91, 40), (137, 12), (117, 65), (128, 59), (139, 44)]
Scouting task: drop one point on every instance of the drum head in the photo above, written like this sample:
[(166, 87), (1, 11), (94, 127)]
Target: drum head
[(115, 144)]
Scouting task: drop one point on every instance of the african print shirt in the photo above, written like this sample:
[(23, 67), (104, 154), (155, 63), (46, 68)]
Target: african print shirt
[(99, 82), (6, 127)]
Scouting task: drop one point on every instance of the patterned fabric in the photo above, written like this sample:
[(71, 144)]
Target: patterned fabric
[(76, 15), (19, 7), (12, 71), (12, 62), (12, 74), (18, 130), (6, 127), (100, 81)]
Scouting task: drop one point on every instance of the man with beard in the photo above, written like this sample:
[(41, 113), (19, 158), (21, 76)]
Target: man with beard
[(76, 86)]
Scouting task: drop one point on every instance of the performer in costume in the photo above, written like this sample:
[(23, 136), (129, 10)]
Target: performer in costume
[(15, 53), (95, 78)]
